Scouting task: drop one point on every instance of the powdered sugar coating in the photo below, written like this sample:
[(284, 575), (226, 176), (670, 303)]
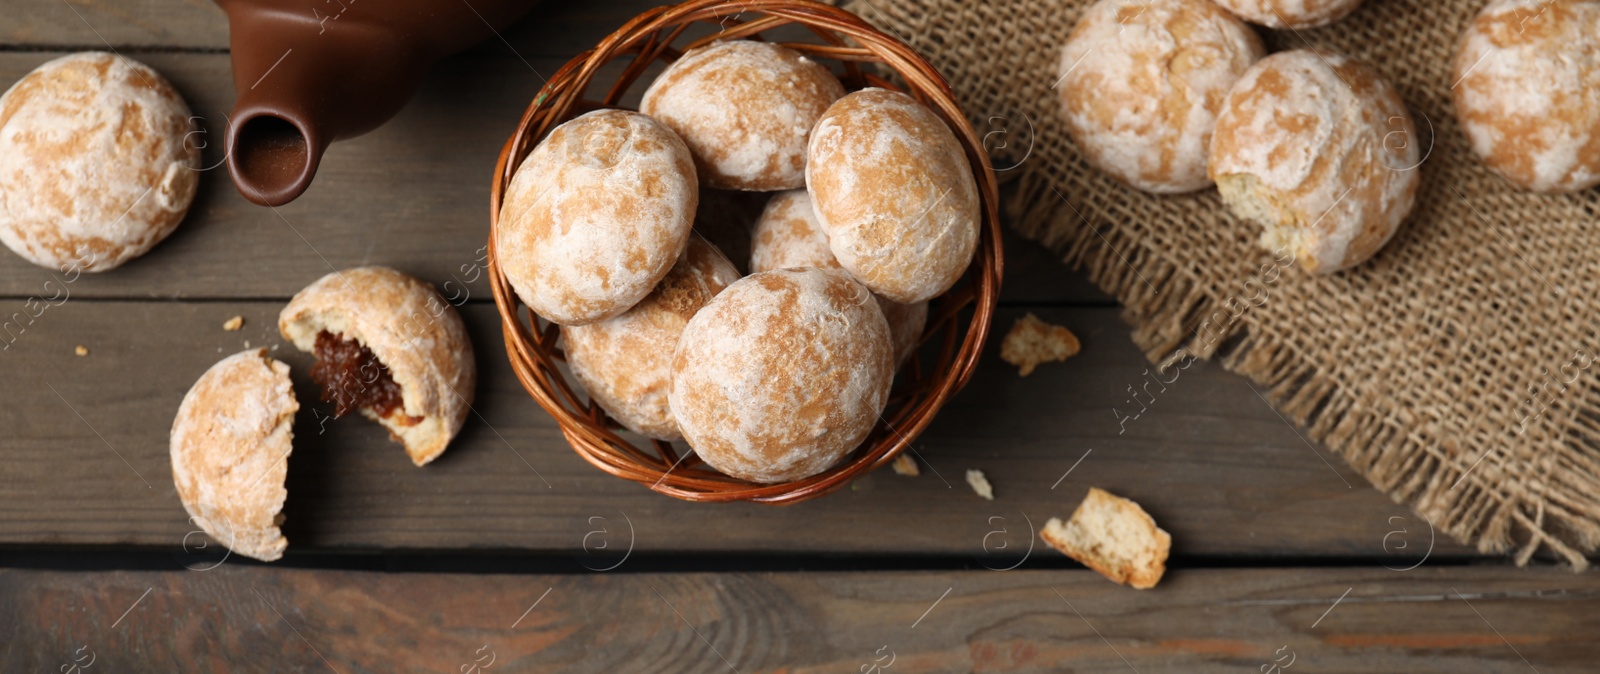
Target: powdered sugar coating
[(788, 235), (745, 109), (895, 193), (94, 167), (1141, 82), (625, 363), (782, 375), (411, 330), (1328, 145), (1527, 91), (596, 216), (1290, 13), (230, 447)]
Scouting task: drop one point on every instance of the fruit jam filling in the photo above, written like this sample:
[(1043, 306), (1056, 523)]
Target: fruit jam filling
[(353, 378)]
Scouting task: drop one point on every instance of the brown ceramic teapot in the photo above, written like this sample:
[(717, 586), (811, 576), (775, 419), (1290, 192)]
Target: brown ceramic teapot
[(309, 72)]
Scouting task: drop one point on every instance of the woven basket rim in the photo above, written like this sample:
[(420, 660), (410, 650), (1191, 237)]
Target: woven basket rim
[(846, 39)]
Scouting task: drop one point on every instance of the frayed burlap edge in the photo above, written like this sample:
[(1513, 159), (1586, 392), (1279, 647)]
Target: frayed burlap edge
[(1402, 463), (1523, 499)]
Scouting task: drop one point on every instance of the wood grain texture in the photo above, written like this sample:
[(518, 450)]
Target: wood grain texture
[(412, 194), (87, 459), (252, 619), (551, 28)]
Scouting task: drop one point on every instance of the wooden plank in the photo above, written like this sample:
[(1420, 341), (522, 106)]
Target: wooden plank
[(87, 461), (551, 28), (252, 619), (1036, 276), (413, 194)]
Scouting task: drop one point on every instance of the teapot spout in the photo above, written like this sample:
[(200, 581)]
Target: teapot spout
[(273, 154), (300, 90), (309, 76)]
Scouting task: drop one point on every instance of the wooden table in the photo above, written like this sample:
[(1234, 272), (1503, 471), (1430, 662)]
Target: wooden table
[(512, 554)]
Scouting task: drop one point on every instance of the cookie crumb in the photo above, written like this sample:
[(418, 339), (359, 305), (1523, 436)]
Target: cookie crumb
[(233, 324), (1113, 536), (81, 350), (1032, 341), (980, 484), (905, 465)]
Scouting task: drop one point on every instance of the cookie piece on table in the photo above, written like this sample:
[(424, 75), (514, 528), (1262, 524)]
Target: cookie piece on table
[(387, 346), (1032, 342), (1113, 536), (230, 447), (95, 167)]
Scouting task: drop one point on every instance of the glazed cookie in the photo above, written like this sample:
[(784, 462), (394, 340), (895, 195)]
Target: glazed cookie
[(230, 447), (1141, 82), (1296, 14), (625, 363), (789, 235), (94, 167), (1304, 147), (596, 216), (389, 347), (782, 375), (1527, 92), (895, 193), (745, 109)]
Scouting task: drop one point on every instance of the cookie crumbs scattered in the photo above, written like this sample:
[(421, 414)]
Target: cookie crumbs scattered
[(81, 350), (1032, 342), (980, 484), (233, 324), (905, 465)]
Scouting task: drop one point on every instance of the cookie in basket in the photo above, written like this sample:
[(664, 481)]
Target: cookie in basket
[(596, 216), (745, 109), (788, 234), (895, 194), (782, 375), (625, 363)]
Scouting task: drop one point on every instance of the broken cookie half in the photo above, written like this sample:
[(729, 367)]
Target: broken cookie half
[(1113, 536), (386, 345), (389, 347), (230, 448)]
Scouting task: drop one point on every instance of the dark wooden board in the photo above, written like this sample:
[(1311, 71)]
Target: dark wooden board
[(414, 194), (1215, 465), (250, 619), (552, 28)]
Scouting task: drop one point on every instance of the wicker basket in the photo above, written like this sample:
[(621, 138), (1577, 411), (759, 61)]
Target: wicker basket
[(921, 388)]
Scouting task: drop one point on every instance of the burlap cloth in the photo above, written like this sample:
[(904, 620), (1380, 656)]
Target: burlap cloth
[(1454, 370)]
